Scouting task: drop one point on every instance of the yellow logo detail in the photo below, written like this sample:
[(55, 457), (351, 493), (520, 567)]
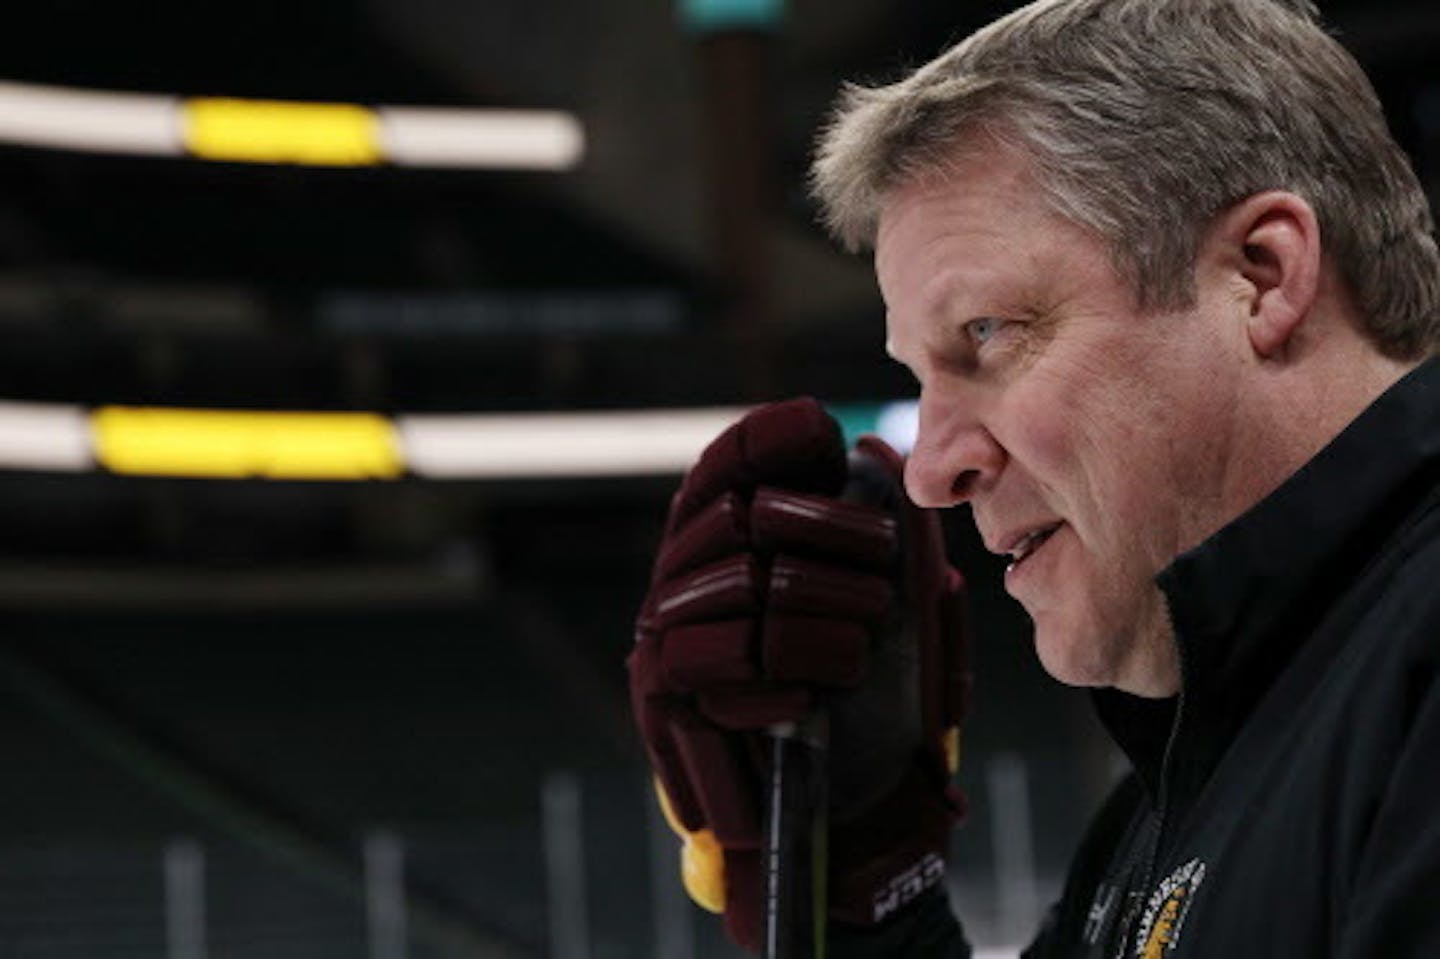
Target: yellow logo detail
[(1162, 935), (1165, 913)]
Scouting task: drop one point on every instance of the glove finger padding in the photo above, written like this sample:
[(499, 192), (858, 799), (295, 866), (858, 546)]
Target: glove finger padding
[(706, 576), (795, 445), (791, 578)]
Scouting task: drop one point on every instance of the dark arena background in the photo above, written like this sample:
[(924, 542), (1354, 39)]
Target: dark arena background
[(348, 681)]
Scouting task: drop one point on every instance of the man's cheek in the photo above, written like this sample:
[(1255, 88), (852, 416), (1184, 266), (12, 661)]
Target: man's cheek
[(1044, 436)]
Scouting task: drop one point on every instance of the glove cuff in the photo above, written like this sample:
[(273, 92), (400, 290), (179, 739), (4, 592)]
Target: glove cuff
[(894, 852)]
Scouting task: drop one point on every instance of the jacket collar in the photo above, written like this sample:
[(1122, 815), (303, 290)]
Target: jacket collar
[(1243, 602)]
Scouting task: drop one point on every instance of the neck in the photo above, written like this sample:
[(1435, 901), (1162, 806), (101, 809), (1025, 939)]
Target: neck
[(1304, 400)]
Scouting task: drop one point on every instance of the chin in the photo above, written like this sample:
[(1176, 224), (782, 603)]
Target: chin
[(1075, 655), (1116, 639)]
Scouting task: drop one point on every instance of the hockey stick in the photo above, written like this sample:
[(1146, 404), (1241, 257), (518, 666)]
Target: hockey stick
[(795, 841)]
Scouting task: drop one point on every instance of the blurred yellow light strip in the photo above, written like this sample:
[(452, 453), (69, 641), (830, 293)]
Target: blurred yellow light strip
[(283, 131), (276, 131), (224, 444)]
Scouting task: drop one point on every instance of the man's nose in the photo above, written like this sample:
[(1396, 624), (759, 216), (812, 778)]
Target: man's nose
[(955, 456)]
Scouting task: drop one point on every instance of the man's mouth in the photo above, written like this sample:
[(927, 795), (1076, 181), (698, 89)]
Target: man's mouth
[(1029, 543)]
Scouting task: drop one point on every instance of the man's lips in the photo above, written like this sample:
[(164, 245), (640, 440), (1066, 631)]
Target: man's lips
[(1023, 541)]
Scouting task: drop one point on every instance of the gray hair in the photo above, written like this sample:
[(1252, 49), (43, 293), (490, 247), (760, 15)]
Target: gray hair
[(1144, 119)]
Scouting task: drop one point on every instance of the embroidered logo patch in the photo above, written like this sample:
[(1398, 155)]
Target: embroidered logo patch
[(909, 884), (1164, 914)]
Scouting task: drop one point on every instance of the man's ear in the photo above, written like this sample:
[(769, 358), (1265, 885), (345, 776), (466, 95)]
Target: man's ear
[(1273, 240)]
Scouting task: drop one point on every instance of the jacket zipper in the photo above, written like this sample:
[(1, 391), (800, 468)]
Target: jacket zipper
[(1161, 816)]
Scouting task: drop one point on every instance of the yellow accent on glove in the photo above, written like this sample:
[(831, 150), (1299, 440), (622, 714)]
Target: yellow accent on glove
[(952, 749), (702, 864)]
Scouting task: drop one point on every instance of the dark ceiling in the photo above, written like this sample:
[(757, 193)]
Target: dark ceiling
[(161, 281)]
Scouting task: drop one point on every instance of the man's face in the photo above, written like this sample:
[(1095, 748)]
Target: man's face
[(1092, 440)]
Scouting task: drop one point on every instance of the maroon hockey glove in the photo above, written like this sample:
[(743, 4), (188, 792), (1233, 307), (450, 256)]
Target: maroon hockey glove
[(793, 577)]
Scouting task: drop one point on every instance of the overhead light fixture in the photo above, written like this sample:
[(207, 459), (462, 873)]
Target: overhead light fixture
[(280, 131), (45, 436), (508, 139), (285, 131), (226, 444), (241, 444), (58, 118), (710, 16), (492, 446)]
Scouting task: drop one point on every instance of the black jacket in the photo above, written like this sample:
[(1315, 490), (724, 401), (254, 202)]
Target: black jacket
[(1287, 803)]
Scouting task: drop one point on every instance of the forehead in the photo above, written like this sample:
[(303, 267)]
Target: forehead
[(980, 238), (977, 230)]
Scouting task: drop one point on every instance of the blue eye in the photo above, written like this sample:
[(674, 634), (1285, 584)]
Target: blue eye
[(981, 330)]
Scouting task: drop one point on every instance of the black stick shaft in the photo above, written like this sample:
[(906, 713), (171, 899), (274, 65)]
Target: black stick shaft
[(795, 843)]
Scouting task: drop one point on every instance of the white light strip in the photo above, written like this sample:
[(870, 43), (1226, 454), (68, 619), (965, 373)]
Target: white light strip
[(556, 445), (89, 120), (99, 121), (503, 139), (36, 436)]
